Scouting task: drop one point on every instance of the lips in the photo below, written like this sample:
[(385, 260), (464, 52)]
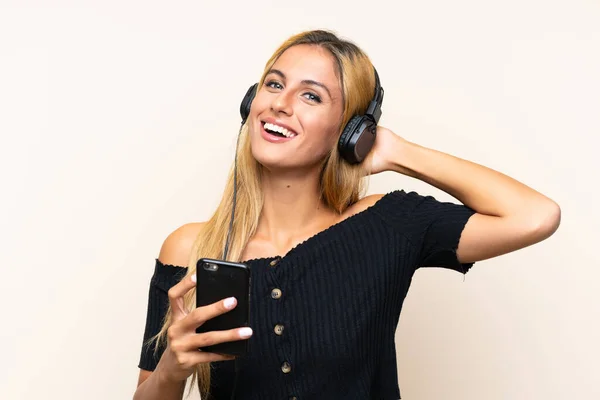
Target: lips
[(273, 138), (276, 131)]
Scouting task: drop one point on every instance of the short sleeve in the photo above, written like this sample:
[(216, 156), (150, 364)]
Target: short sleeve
[(433, 227), (164, 277)]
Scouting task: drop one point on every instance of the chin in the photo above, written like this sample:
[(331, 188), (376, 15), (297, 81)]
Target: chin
[(269, 155), (271, 160), (289, 163)]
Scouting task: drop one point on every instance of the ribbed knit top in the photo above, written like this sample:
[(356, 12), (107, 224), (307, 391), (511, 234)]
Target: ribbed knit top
[(324, 315)]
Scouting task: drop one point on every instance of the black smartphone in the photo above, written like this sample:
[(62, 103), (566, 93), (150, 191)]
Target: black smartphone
[(217, 280)]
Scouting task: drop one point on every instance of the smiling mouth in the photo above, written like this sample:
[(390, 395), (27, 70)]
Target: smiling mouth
[(278, 131)]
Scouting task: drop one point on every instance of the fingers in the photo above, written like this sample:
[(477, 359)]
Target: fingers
[(182, 362), (185, 349), (184, 342), (176, 294), (205, 357), (212, 338), (202, 314), (216, 337)]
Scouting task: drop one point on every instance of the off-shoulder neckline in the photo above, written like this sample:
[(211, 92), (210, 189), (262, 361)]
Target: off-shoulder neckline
[(312, 241)]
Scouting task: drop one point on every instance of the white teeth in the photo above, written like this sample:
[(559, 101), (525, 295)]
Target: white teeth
[(277, 128)]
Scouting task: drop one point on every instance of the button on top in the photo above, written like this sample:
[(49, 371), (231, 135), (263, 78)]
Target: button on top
[(275, 261), (276, 293), (278, 329), (286, 368)]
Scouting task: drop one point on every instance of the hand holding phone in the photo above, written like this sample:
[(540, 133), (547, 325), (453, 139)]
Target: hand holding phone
[(218, 280), (181, 356)]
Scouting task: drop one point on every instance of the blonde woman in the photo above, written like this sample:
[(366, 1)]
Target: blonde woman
[(330, 267)]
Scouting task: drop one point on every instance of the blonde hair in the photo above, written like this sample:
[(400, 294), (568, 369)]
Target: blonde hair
[(341, 183)]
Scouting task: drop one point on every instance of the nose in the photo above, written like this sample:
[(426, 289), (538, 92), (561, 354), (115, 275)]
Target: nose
[(282, 103)]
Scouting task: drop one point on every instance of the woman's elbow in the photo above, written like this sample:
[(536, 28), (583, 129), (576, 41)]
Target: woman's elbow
[(547, 220)]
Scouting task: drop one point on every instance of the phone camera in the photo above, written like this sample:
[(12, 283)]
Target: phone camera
[(211, 267)]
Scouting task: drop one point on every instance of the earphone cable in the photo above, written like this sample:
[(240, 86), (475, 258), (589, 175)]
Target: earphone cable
[(227, 242), (226, 250)]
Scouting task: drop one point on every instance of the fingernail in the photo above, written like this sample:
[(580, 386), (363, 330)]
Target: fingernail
[(245, 332), (193, 277), (229, 303)]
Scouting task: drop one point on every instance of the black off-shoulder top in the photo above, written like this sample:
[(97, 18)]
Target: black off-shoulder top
[(324, 315)]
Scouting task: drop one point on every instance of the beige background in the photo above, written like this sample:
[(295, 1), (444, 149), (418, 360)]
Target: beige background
[(118, 120)]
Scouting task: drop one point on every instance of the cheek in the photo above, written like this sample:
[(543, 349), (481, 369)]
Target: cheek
[(326, 129), (260, 103), (323, 137), (322, 124)]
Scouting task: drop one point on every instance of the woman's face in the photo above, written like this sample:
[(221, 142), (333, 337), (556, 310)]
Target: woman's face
[(295, 116)]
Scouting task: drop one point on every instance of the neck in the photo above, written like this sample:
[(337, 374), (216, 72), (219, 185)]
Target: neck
[(292, 207)]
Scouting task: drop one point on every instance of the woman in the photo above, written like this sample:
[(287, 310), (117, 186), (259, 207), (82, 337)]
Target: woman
[(330, 269)]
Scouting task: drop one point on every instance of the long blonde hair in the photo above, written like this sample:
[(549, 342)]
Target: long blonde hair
[(341, 183)]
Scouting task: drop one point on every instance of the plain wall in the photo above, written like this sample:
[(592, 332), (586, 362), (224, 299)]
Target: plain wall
[(118, 123)]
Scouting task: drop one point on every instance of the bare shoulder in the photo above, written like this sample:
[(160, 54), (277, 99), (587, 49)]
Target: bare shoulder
[(362, 204), (176, 248)]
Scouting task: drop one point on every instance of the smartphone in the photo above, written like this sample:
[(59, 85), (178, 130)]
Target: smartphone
[(217, 280)]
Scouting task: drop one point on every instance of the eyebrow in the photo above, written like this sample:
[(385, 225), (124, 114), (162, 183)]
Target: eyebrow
[(305, 81)]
